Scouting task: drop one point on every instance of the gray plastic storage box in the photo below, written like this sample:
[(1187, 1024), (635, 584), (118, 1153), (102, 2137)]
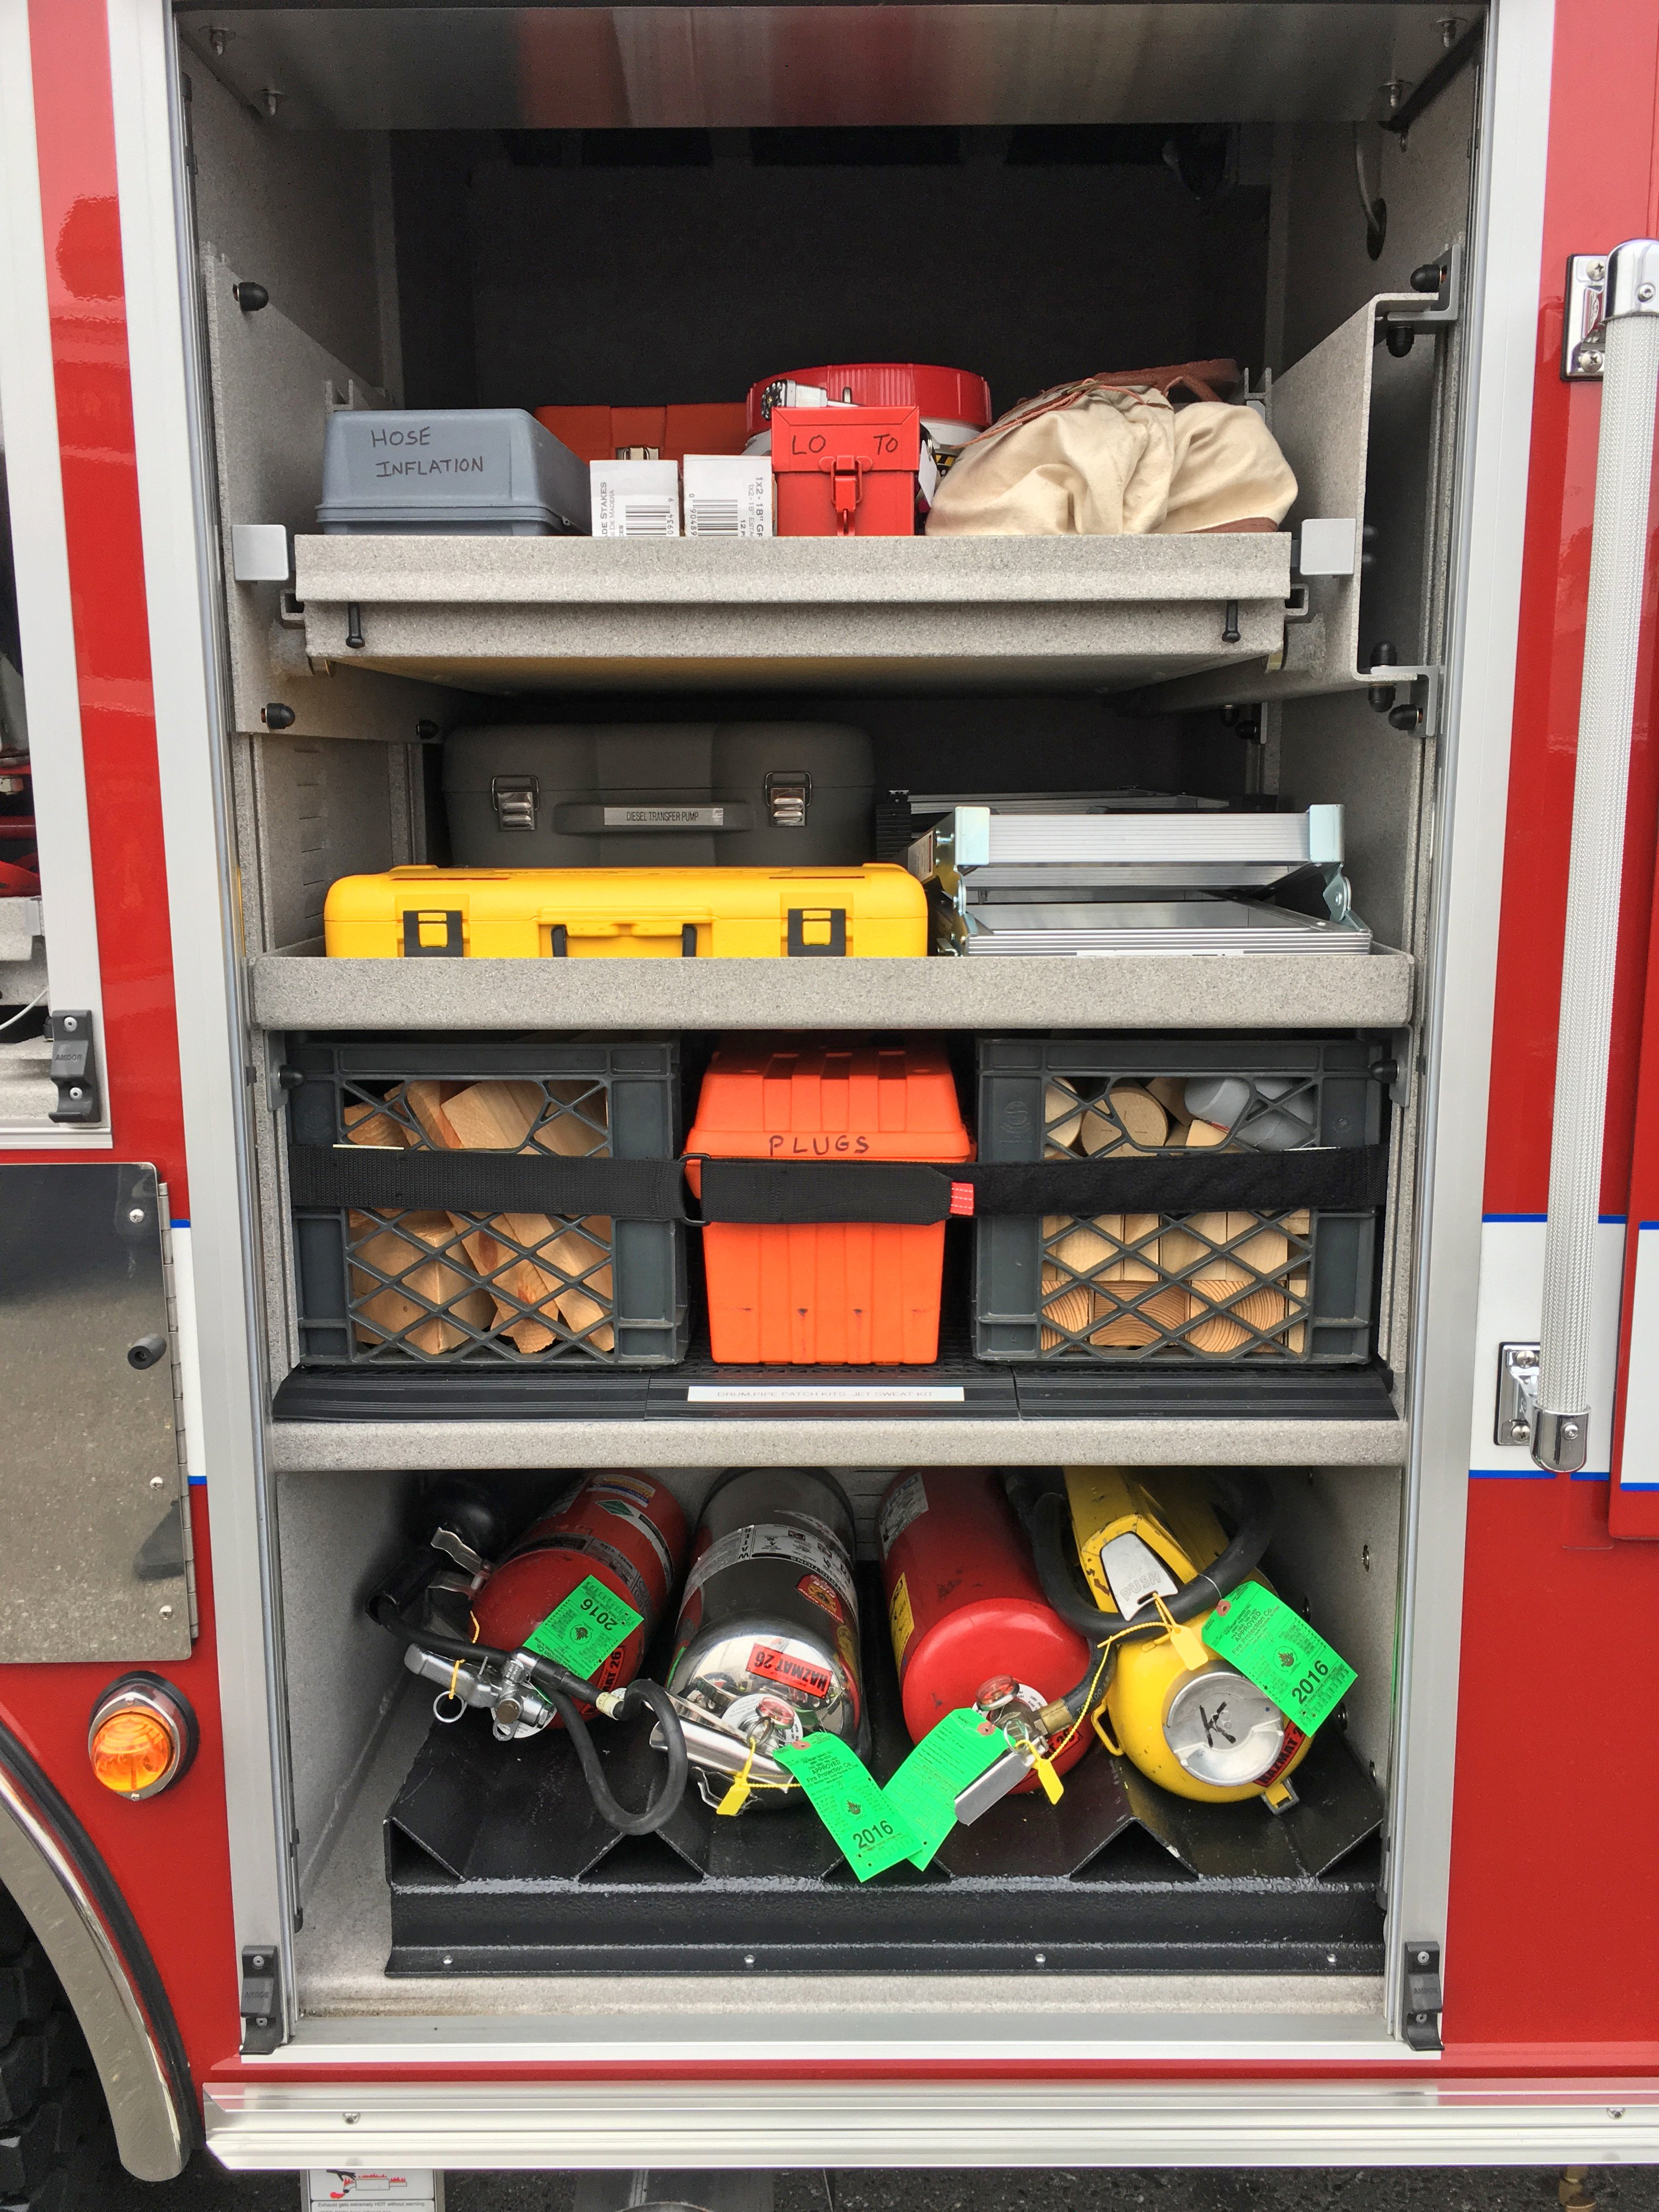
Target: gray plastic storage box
[(667, 794), (394, 1287), (1220, 1284), (479, 471)]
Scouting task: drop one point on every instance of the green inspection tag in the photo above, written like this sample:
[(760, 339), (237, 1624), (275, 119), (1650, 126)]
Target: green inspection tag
[(871, 1831), (584, 1629), (1276, 1649), (948, 1757)]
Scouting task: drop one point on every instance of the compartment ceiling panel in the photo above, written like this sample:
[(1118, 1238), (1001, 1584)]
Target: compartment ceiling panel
[(720, 67)]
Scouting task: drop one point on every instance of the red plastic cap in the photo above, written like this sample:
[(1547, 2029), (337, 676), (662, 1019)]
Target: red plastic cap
[(942, 395)]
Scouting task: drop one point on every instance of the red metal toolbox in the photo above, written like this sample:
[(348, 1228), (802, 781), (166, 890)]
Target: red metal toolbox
[(846, 471)]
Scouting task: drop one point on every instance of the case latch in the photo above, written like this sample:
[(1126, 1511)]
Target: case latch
[(420, 945), (515, 797), (788, 796), (817, 932)]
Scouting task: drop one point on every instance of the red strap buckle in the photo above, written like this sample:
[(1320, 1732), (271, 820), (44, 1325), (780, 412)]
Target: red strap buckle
[(961, 1198)]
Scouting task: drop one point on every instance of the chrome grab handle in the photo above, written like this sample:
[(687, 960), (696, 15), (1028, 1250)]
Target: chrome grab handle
[(1624, 465)]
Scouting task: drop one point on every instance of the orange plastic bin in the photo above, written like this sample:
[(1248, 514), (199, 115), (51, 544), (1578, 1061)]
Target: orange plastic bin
[(857, 1294)]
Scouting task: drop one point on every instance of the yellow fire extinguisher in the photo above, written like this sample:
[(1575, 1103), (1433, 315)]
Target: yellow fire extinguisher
[(1189, 1720)]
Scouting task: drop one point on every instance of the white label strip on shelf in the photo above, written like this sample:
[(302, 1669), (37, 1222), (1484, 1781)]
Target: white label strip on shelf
[(824, 1394)]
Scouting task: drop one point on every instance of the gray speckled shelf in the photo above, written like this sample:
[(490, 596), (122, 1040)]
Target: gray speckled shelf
[(1258, 990), (517, 613), (334, 1447)]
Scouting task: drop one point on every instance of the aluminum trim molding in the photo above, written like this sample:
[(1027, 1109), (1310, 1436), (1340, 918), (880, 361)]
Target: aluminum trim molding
[(1506, 233), (928, 2124), (38, 1871)]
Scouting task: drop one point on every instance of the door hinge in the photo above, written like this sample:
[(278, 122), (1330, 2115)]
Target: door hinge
[(262, 2029), (1423, 2002)]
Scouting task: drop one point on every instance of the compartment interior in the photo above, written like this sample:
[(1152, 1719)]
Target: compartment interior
[(441, 1871), (1059, 219), (522, 207)]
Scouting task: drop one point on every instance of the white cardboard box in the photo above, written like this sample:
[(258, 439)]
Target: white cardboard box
[(635, 499), (728, 494)]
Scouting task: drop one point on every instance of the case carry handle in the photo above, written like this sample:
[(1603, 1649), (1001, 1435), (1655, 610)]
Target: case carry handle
[(559, 938)]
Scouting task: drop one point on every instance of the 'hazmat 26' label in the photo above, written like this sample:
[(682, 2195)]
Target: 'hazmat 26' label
[(790, 1673)]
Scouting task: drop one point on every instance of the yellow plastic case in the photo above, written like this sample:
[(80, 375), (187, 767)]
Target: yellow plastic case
[(627, 913)]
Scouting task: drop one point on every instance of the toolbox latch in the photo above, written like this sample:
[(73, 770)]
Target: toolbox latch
[(261, 2000), (846, 475), (515, 797), (418, 924), (788, 796), (74, 1066), (1424, 2002), (818, 932)]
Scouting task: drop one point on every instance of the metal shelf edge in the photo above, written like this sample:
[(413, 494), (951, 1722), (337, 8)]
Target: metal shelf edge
[(335, 1447)]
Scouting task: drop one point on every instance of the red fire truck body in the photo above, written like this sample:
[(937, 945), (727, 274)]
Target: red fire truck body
[(1518, 1910)]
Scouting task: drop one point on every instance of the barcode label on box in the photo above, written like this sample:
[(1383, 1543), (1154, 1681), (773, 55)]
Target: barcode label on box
[(727, 494), (635, 499)]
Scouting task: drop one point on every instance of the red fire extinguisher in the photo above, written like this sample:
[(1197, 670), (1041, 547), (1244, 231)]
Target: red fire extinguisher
[(965, 1606), (626, 1531)]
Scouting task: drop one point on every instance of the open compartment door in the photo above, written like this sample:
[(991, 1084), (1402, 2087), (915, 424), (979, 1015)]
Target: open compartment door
[(1633, 1499)]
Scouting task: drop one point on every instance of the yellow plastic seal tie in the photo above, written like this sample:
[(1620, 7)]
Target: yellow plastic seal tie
[(1189, 1646), (1052, 1788), (737, 1795)]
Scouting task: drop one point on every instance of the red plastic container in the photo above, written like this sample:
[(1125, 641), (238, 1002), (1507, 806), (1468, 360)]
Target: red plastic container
[(826, 1293), (942, 395), (846, 471), (964, 1603), (596, 433)]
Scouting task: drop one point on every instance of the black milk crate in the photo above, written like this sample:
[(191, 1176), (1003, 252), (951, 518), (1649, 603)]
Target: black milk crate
[(1266, 1281), (396, 1288)]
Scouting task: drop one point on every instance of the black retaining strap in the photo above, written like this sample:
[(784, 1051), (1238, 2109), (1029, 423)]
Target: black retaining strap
[(1353, 1180), (376, 1180), (1349, 1179)]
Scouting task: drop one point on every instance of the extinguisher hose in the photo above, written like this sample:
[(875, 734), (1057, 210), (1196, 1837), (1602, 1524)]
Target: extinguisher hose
[(1054, 1551), (566, 1692), (665, 1801)]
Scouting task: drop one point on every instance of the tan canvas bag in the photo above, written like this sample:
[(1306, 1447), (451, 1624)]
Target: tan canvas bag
[(1104, 457)]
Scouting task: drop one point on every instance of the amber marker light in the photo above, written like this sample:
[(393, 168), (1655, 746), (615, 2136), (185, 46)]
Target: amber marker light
[(141, 1737)]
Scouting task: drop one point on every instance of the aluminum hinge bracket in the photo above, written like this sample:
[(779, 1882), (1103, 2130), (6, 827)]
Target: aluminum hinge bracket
[(1427, 680), (1443, 278), (1424, 2002)]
